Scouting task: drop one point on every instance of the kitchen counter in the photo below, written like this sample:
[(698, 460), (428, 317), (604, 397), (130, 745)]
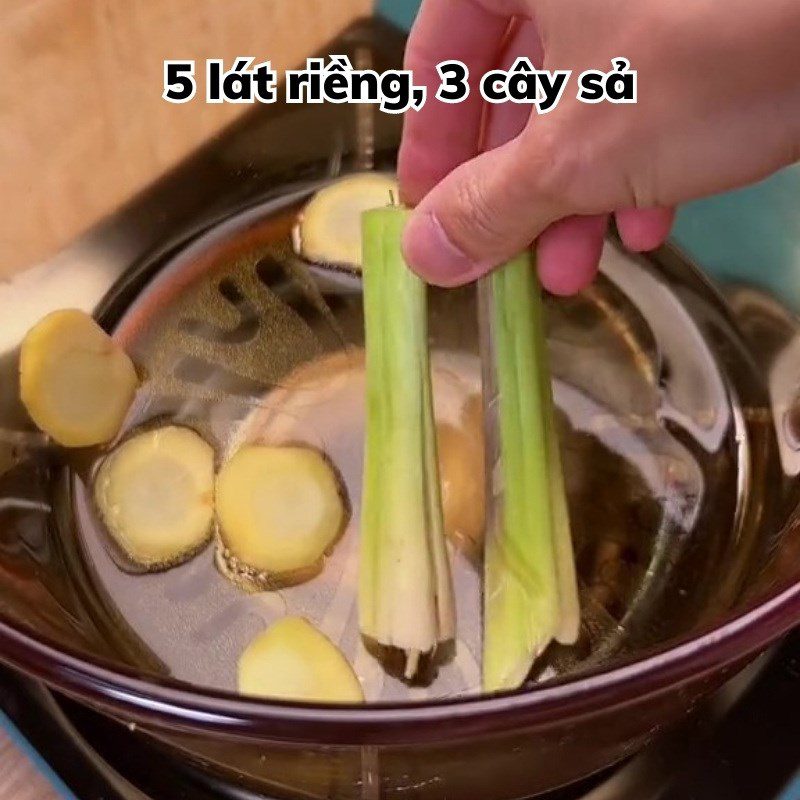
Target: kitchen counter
[(19, 778)]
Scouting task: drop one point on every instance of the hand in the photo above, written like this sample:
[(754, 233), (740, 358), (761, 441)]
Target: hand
[(718, 107)]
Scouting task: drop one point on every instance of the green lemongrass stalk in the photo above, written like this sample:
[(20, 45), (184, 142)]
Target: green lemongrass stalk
[(405, 594), (566, 576), (530, 591)]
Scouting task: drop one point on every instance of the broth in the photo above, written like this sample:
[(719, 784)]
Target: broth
[(224, 335)]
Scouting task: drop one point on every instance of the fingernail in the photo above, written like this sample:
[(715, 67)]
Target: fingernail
[(429, 251)]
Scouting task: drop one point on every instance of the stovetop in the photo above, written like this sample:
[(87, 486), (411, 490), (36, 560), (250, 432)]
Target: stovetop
[(744, 744)]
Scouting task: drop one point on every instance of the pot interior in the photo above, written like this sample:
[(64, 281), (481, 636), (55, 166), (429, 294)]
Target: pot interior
[(666, 432), (675, 481)]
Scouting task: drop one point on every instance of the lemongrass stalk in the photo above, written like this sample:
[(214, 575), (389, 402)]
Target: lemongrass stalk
[(566, 575), (530, 594), (405, 594)]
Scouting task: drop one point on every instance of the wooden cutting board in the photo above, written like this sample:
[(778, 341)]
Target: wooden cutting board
[(83, 127), (82, 122)]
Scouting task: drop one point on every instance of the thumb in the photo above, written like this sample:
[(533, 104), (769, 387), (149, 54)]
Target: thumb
[(486, 211)]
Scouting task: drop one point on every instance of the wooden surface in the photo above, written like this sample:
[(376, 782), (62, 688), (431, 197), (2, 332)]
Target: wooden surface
[(82, 122), (83, 126), (19, 780)]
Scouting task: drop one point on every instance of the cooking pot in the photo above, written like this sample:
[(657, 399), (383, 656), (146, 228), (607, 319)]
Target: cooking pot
[(680, 446)]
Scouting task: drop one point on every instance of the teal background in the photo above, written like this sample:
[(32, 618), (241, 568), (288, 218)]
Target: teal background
[(400, 12), (750, 236)]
